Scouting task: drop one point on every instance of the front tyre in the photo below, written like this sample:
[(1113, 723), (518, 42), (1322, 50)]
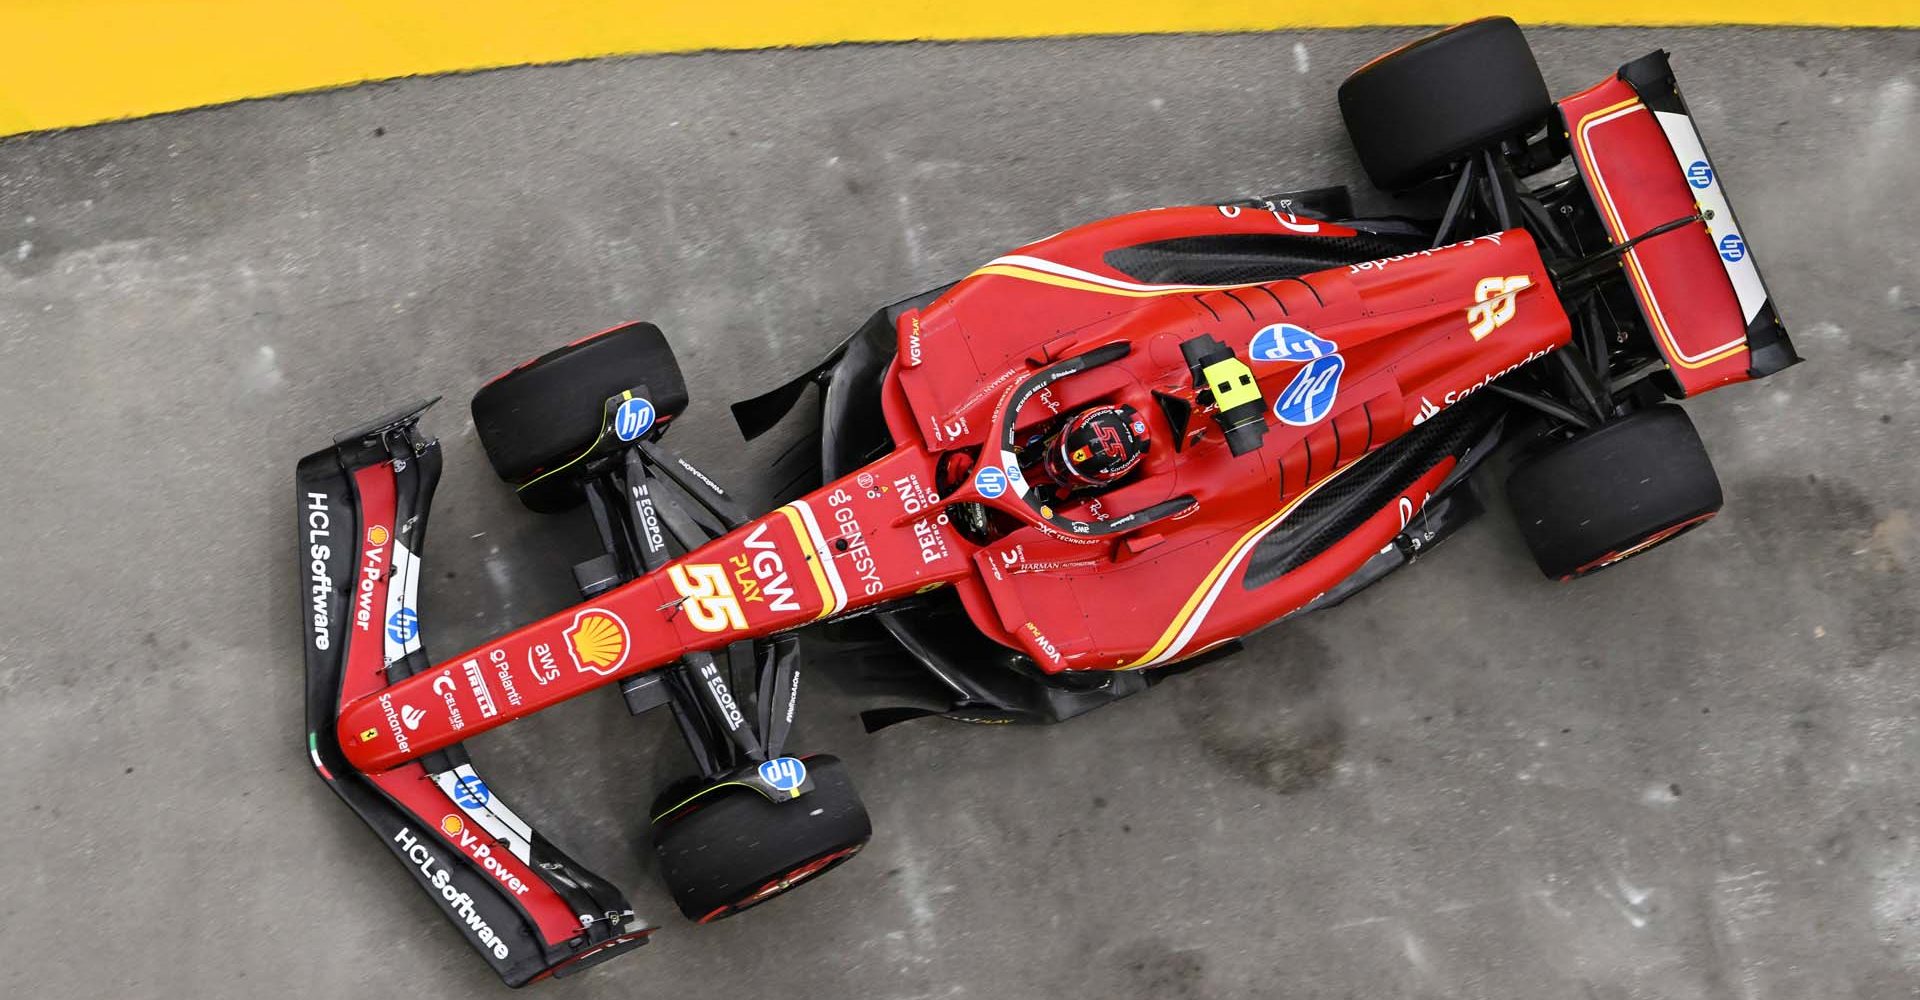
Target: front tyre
[(1614, 491), (537, 420), (724, 849)]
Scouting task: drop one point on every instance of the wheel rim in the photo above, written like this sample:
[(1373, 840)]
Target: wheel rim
[(792, 878), (1665, 534)]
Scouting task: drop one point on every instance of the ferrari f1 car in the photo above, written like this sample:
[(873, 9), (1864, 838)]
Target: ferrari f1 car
[(1092, 462)]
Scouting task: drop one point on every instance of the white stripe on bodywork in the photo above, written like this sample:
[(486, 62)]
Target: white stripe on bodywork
[(825, 553), (494, 817), (1064, 271), (1653, 302), (403, 589), (1688, 149), (1199, 615)]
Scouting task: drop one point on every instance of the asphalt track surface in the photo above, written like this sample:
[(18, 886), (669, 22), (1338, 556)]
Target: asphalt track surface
[(1691, 776)]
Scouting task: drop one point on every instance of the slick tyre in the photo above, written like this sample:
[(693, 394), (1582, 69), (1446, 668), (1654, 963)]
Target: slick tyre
[(727, 849), (1425, 106), (545, 414), (1613, 492)]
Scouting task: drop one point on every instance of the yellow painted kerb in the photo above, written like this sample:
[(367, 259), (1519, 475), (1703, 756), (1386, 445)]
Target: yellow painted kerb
[(73, 62)]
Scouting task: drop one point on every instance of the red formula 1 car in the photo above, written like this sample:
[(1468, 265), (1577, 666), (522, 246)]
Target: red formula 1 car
[(1086, 465)]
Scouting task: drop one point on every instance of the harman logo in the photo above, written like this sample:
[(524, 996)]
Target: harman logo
[(597, 640), (1427, 410)]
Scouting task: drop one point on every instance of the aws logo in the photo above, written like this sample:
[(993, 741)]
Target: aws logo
[(598, 641)]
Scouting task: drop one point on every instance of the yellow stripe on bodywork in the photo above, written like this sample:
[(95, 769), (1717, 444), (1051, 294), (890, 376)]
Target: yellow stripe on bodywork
[(1635, 274), (1062, 281), (828, 605), (1253, 535)]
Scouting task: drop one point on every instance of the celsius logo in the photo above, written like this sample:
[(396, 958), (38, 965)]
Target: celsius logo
[(1700, 174), (1732, 248), (597, 640), (632, 419), (1286, 342), (471, 793), (1309, 397), (785, 774), (403, 625), (411, 716), (990, 481)]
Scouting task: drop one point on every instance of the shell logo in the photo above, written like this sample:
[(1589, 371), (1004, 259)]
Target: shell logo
[(451, 825), (597, 641), (377, 534)]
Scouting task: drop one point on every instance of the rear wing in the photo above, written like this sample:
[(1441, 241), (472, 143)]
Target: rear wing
[(528, 909), (1698, 287)]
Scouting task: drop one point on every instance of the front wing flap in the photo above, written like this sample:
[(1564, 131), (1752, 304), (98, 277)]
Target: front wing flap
[(527, 908)]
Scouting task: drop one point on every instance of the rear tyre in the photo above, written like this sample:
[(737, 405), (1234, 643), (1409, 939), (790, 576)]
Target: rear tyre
[(1613, 492), (730, 848), (536, 419), (1423, 107)]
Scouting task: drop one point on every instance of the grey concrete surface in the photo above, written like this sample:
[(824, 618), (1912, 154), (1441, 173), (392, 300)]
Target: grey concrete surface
[(1693, 776)]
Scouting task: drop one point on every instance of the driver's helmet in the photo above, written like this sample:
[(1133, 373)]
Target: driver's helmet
[(1097, 446)]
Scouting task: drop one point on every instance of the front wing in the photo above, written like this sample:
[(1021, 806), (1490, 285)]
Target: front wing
[(527, 908)]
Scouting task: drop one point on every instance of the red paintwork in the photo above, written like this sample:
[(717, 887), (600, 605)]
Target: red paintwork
[(1164, 592), (1678, 278), (409, 784)]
